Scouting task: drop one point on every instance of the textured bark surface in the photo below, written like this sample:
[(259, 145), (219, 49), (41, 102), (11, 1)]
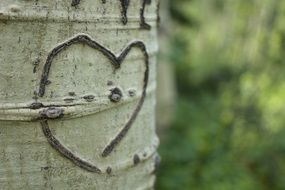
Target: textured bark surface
[(77, 101)]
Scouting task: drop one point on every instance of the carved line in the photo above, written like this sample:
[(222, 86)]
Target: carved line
[(75, 2), (125, 6), (84, 39), (158, 13), (123, 132), (64, 151), (143, 23), (116, 62)]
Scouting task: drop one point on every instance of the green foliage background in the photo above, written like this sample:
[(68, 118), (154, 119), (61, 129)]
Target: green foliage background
[(229, 127)]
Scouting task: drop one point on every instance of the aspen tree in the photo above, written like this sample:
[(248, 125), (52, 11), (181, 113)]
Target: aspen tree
[(77, 94), (165, 77)]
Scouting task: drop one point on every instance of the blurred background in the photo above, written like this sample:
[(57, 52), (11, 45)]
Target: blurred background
[(221, 109)]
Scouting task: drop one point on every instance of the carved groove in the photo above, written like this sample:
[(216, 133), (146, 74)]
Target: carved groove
[(55, 143), (116, 62), (125, 5), (75, 2), (124, 11), (143, 23)]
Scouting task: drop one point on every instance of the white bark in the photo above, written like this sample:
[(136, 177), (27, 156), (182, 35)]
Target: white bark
[(77, 99)]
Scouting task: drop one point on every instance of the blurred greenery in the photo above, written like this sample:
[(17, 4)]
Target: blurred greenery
[(229, 126)]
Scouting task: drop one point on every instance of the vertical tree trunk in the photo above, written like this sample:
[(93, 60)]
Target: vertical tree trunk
[(77, 82), (165, 77)]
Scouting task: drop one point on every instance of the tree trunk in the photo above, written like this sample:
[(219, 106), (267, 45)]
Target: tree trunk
[(77, 101), (165, 77)]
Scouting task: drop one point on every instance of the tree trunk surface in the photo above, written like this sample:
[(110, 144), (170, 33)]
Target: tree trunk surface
[(77, 94), (166, 88)]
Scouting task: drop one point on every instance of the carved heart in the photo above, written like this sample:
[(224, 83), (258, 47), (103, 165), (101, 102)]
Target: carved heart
[(54, 113)]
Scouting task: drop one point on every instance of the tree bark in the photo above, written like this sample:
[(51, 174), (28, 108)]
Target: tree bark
[(166, 88), (77, 94)]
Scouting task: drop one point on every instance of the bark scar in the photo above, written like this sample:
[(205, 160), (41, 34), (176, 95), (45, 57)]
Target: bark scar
[(116, 62), (124, 12), (56, 144), (143, 23), (75, 2)]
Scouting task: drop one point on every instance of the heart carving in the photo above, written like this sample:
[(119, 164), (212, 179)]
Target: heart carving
[(54, 113)]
